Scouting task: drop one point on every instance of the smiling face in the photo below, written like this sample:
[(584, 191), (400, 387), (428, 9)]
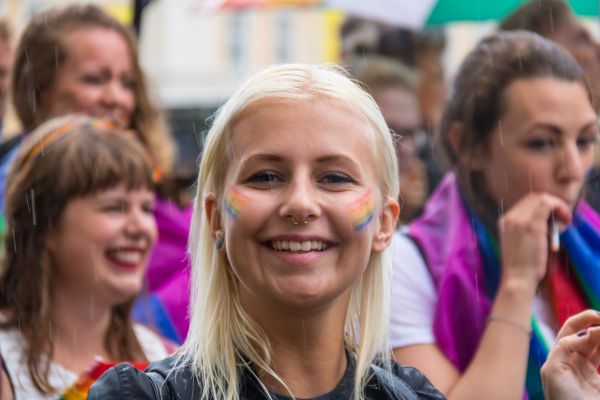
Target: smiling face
[(102, 243), (302, 211), (544, 142), (97, 77)]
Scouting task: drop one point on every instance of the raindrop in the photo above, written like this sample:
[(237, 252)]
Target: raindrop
[(27, 203), (33, 206), (501, 134)]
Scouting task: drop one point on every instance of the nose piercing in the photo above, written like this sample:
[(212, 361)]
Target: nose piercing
[(295, 221)]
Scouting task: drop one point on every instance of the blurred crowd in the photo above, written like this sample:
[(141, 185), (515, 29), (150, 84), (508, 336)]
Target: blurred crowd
[(495, 247)]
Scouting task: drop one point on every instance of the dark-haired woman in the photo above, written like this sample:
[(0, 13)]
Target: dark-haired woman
[(506, 250)]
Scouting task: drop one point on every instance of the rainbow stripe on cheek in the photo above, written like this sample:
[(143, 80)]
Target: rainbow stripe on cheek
[(361, 211), (234, 202)]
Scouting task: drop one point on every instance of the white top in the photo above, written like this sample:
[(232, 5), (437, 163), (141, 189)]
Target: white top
[(414, 298), (11, 348)]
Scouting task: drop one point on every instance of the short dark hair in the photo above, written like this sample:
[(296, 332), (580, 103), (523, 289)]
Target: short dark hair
[(377, 72), (539, 16)]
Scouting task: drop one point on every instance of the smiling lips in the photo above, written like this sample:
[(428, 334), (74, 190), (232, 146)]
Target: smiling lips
[(127, 257), (297, 246)]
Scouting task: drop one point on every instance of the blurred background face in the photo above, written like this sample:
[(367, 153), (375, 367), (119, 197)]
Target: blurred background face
[(97, 78), (5, 61), (400, 109), (544, 142), (579, 42)]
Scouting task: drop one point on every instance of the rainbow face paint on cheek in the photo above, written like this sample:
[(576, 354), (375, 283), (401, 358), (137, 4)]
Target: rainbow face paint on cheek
[(234, 202), (361, 211)]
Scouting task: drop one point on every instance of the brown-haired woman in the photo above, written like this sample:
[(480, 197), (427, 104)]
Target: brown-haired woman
[(480, 291), (80, 59), (79, 206)]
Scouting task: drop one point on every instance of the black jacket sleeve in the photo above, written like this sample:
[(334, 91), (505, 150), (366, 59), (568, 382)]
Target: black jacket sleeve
[(417, 382), (123, 382)]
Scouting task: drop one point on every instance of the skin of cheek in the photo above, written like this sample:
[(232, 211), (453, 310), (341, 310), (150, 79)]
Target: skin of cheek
[(235, 201), (361, 211)]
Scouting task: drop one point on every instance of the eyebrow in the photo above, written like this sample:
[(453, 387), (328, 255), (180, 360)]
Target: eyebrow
[(321, 159), (555, 130), (335, 158)]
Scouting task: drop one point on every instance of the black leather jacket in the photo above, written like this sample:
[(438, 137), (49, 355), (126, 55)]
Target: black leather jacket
[(161, 382)]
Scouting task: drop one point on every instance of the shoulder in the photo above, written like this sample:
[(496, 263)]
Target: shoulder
[(162, 380), (404, 382), (413, 295)]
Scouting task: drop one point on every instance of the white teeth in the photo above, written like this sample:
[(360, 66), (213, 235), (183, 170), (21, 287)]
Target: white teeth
[(284, 245), (126, 256)]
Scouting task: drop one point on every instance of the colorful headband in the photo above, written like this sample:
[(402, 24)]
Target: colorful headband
[(98, 123), (61, 131)]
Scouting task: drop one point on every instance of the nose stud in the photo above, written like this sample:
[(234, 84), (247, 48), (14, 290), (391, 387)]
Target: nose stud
[(295, 221)]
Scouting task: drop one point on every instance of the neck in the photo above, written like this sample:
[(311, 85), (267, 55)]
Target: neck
[(80, 326), (307, 348)]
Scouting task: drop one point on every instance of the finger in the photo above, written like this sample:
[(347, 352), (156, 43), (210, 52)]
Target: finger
[(552, 207), (587, 347), (569, 345), (578, 322), (538, 208), (594, 357)]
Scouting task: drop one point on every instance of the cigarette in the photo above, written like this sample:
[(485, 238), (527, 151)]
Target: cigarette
[(554, 238)]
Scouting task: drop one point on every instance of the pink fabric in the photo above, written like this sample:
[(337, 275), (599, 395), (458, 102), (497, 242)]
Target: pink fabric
[(169, 273)]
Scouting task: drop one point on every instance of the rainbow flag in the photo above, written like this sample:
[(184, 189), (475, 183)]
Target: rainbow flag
[(361, 211), (234, 201), (79, 390)]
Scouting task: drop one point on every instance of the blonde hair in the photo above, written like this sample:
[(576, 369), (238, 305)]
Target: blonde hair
[(222, 335)]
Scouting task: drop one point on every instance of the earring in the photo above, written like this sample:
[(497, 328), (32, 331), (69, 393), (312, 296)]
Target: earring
[(220, 241)]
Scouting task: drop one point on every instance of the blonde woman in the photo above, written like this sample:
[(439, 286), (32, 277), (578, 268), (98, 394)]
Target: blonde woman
[(296, 208)]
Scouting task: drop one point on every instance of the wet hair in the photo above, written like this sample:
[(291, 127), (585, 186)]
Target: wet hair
[(65, 158), (477, 96), (378, 72), (43, 49), (222, 335), (540, 16)]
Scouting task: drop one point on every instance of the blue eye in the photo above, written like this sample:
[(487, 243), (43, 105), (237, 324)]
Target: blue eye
[(336, 178), (264, 177)]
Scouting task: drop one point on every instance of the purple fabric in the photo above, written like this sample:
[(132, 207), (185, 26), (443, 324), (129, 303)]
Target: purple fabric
[(589, 214), (168, 274), (445, 237)]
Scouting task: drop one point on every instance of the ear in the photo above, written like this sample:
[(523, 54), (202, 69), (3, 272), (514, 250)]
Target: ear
[(213, 215), (473, 161), (387, 224)]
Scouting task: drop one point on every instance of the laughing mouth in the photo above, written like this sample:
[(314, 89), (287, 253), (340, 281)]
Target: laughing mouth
[(298, 247), (126, 256)]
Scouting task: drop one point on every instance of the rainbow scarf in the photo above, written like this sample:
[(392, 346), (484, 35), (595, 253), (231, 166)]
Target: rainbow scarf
[(463, 260), (79, 390)]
